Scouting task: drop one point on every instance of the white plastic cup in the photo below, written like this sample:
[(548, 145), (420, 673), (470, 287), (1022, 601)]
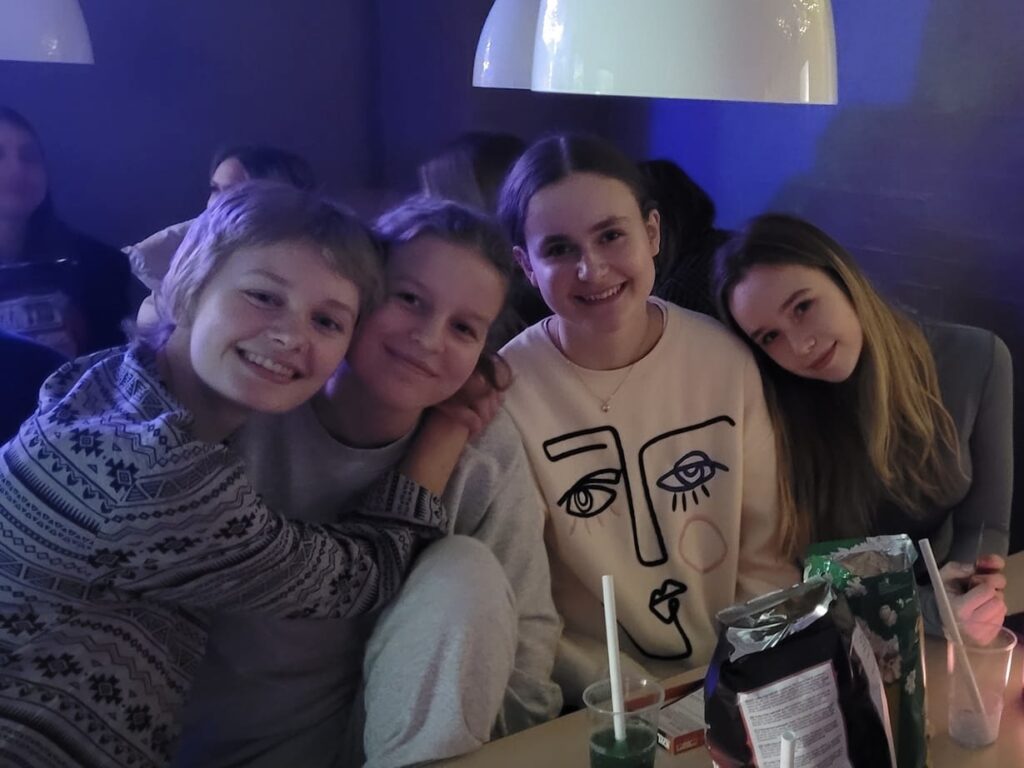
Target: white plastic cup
[(990, 662), (643, 700)]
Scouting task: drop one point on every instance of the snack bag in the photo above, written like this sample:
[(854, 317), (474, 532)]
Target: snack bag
[(795, 660), (876, 575)]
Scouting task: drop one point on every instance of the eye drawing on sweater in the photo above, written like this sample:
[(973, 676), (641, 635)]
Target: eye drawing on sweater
[(599, 484), (692, 472), (592, 494), (678, 464)]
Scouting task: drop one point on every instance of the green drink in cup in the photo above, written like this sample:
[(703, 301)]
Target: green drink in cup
[(639, 724)]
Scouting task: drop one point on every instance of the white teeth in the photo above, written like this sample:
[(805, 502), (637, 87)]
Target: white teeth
[(270, 365), (603, 295)]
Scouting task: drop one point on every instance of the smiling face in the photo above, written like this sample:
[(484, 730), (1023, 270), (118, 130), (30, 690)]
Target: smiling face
[(265, 338), (22, 172), (801, 319), (590, 252), (421, 345)]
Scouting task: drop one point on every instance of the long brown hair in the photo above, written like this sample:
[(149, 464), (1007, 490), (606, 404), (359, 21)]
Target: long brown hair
[(888, 435)]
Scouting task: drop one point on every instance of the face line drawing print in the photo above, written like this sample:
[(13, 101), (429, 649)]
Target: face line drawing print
[(553, 454), (666, 598), (644, 480)]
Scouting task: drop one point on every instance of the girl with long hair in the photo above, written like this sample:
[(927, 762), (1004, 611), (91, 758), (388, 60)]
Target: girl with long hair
[(58, 287), (884, 423)]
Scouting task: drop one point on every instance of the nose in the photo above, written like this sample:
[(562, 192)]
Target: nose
[(429, 334), (803, 344), (590, 265), (287, 334)]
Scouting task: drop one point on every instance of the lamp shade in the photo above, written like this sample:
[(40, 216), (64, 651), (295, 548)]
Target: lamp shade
[(44, 30), (504, 52), (737, 50)]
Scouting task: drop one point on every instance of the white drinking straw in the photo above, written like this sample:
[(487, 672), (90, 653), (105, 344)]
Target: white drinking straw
[(950, 625), (611, 628), (787, 749)]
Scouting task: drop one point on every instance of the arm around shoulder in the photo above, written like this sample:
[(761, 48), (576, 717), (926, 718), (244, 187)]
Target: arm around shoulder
[(216, 545)]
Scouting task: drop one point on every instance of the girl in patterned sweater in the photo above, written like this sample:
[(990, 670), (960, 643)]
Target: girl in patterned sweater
[(124, 518)]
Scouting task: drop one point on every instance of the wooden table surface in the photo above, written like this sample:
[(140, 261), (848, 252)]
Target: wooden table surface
[(563, 742)]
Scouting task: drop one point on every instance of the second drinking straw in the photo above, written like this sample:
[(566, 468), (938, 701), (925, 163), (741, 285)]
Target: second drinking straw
[(611, 628), (787, 749)]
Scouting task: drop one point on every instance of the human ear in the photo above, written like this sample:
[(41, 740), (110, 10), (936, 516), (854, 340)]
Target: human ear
[(523, 260), (653, 227)]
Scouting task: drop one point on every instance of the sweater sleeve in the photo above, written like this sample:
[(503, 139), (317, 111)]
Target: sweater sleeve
[(987, 503), (762, 568), (178, 521), (513, 528), (985, 510)]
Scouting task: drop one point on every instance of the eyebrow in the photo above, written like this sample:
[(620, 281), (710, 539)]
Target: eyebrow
[(427, 289), (604, 223), (272, 276), (785, 305), (276, 278), (342, 307)]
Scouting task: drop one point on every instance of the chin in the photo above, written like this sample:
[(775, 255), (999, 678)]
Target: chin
[(278, 404)]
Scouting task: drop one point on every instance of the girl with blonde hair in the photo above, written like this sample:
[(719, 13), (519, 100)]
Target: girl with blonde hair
[(884, 423)]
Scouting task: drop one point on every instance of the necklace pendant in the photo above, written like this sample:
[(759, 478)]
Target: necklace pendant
[(605, 407)]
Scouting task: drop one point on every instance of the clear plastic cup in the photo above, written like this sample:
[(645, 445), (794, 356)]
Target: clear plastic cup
[(990, 662), (643, 700)]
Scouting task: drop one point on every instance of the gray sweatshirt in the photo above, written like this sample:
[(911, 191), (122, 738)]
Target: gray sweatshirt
[(976, 381), (265, 682)]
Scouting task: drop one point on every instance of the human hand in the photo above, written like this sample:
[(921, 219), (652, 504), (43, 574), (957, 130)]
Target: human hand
[(989, 570), (979, 609), (473, 406)]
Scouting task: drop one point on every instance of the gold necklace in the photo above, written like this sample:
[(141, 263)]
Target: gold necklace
[(606, 403)]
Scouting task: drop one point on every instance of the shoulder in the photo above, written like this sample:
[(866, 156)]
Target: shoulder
[(119, 388), (703, 333), (527, 346), (964, 351)]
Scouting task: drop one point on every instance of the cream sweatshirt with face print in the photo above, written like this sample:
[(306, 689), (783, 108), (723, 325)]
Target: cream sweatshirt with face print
[(673, 490)]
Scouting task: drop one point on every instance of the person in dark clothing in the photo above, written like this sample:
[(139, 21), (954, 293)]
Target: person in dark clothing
[(689, 238), (27, 365), (58, 287)]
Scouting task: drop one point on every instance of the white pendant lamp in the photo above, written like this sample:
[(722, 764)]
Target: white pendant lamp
[(44, 30), (737, 50), (504, 53)]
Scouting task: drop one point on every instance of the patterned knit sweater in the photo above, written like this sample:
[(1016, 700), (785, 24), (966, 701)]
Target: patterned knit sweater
[(119, 529)]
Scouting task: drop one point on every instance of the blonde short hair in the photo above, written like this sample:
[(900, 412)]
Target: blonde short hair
[(257, 213)]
